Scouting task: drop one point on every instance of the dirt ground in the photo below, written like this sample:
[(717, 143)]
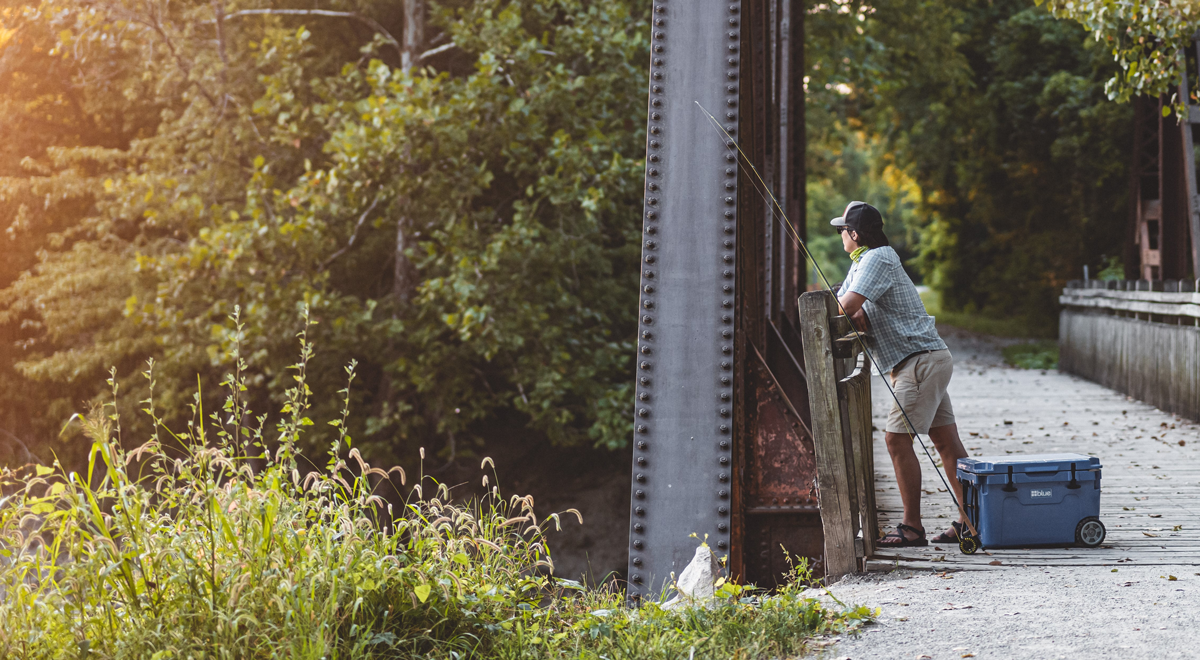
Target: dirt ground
[(1136, 596)]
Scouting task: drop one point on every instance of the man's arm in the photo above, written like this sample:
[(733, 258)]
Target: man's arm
[(852, 303)]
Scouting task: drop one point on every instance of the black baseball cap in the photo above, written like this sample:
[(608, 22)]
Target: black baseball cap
[(859, 216)]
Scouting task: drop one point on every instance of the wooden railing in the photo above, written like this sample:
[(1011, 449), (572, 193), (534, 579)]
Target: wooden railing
[(1138, 337), (839, 387)]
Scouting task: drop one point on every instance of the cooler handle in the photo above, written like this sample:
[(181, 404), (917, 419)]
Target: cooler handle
[(1010, 487)]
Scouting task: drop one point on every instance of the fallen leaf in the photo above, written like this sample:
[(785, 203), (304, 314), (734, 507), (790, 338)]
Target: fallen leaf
[(1156, 515), (995, 562), (968, 655), (1177, 528), (964, 607), (1153, 536), (1171, 578), (1114, 570)]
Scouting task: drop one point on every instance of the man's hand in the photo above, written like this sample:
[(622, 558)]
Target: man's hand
[(859, 321), (852, 303)]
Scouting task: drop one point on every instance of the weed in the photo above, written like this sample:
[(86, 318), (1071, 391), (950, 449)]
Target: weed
[(1035, 355), (212, 542)]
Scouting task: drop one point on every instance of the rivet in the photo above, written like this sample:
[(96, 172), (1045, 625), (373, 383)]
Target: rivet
[(724, 396), (731, 157), (733, 9), (726, 318), (722, 510), (727, 303), (724, 460), (729, 215), (722, 527), (648, 304), (639, 527), (642, 445), (727, 333), (729, 245), (727, 258), (657, 76), (724, 444), (652, 215), (641, 510), (649, 274), (649, 288), (732, 89), (642, 412), (729, 229), (657, 89), (731, 128), (642, 428), (645, 366), (654, 130), (724, 428), (659, 22), (723, 477), (722, 493), (730, 201), (646, 334), (658, 61), (637, 561), (652, 186), (724, 380), (729, 171), (647, 320), (642, 396), (733, 48), (640, 494), (641, 478), (729, 185), (732, 35), (728, 273), (729, 144), (732, 61), (637, 579), (651, 229), (659, 35), (725, 365), (649, 258), (656, 102), (726, 349), (731, 115), (641, 460), (658, 48), (645, 350), (728, 288), (724, 412), (653, 172), (660, 9), (720, 544), (638, 544), (731, 102), (651, 244), (733, 22)]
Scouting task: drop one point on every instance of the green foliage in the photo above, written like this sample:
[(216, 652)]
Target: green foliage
[(469, 234), (1037, 355), (1147, 40), (986, 325), (203, 543), (997, 111)]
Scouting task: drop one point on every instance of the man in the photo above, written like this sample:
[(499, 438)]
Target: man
[(903, 341)]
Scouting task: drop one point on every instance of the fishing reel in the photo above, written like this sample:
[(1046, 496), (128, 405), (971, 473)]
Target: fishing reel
[(968, 543)]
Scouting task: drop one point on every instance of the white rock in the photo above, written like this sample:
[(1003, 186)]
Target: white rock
[(697, 582)]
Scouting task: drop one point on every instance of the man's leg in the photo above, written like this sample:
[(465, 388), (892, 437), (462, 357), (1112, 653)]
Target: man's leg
[(945, 440), (908, 476)]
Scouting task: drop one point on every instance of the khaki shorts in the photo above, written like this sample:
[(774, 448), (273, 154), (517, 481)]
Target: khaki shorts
[(920, 384)]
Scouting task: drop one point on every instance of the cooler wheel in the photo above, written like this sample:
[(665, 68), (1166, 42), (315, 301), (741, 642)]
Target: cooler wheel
[(1089, 532)]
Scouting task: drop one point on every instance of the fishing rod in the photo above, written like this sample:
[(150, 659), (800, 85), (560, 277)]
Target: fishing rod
[(775, 209)]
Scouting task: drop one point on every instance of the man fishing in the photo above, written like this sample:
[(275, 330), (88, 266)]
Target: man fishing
[(903, 341)]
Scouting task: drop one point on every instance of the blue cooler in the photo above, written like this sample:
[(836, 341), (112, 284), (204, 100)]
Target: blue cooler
[(1033, 500)]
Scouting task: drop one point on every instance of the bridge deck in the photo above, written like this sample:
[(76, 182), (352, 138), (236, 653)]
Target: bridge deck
[(1151, 482)]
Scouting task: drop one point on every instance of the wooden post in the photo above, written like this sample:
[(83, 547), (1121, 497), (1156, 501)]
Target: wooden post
[(816, 308), (862, 453)]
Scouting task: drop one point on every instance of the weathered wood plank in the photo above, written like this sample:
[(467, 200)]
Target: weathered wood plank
[(858, 406), (848, 346), (816, 308), (1137, 306)]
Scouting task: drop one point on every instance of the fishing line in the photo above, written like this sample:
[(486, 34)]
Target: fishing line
[(773, 205)]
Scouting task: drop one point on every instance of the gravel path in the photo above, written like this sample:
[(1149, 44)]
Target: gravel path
[(1135, 597)]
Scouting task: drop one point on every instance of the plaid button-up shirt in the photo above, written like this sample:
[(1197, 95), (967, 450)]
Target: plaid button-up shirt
[(899, 325)]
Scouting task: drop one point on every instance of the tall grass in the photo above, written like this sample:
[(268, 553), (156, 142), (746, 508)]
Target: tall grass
[(212, 542)]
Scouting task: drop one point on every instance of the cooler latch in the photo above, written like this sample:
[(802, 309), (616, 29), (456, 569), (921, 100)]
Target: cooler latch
[(1010, 487)]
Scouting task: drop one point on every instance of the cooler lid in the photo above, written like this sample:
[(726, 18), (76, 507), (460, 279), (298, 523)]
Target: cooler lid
[(1027, 463)]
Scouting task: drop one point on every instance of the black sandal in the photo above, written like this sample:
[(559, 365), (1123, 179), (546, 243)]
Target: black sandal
[(946, 538), (903, 541)]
